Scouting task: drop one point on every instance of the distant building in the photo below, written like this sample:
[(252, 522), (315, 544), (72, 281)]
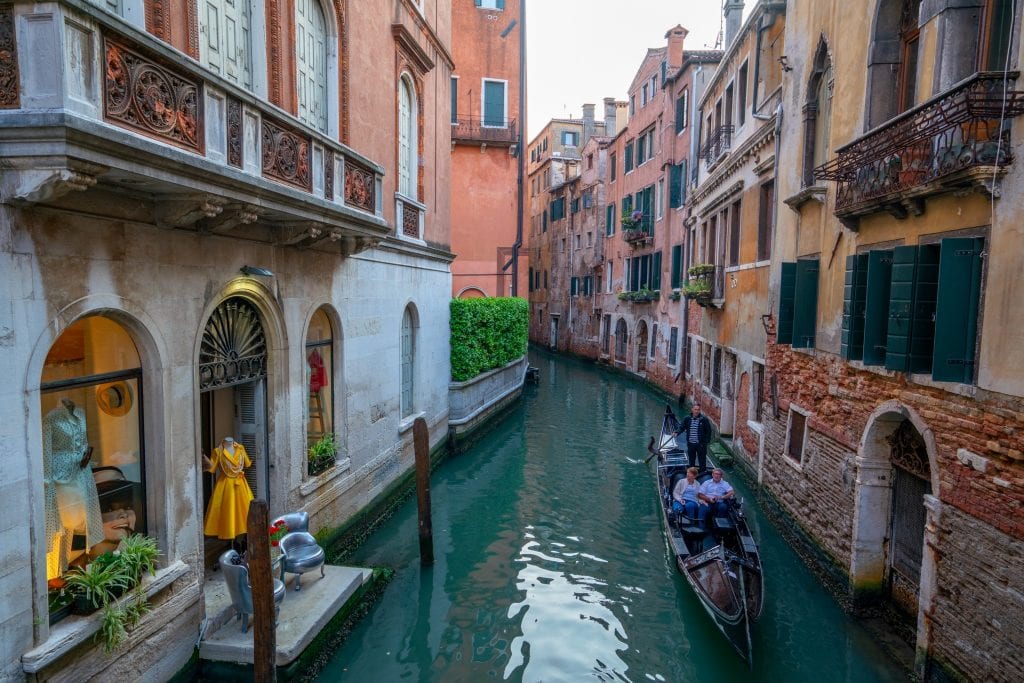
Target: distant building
[(486, 125)]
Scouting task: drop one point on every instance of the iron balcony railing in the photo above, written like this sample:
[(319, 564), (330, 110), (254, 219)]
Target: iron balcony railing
[(927, 145), (717, 145), (477, 129)]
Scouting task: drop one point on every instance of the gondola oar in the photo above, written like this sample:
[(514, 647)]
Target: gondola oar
[(650, 447)]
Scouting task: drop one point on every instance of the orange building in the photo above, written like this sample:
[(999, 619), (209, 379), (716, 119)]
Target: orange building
[(486, 131)]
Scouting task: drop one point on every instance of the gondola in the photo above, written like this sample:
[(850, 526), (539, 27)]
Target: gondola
[(720, 561)]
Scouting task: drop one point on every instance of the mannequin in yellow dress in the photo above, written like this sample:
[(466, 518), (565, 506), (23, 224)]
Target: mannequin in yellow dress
[(229, 504)]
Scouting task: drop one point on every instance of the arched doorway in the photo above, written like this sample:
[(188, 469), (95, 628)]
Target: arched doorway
[(641, 347), (621, 339), (907, 516), (232, 385)]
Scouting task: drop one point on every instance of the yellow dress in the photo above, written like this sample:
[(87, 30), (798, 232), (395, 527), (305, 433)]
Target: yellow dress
[(229, 505)]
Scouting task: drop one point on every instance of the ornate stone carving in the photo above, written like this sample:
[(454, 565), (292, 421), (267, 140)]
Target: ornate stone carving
[(273, 10), (410, 220), (183, 211), (286, 155), (9, 92), (45, 185), (149, 98), (235, 131), (359, 188), (192, 15), (329, 176)]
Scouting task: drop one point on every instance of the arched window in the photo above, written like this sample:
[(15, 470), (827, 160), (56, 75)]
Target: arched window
[(408, 348), (225, 43), (320, 437), (311, 63), (892, 60), (92, 456), (407, 143), (817, 113), (909, 35), (621, 337)]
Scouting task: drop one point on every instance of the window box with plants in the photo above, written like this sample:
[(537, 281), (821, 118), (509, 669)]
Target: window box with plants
[(643, 295), (701, 286), (675, 295), (634, 230), (322, 455)]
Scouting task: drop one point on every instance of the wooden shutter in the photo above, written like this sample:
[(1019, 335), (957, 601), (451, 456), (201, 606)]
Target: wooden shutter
[(311, 63), (679, 114), (854, 290), (648, 209), (609, 227), (675, 186), (250, 431), (915, 274), (956, 311), (876, 306), (226, 44), (805, 303), (677, 266), (628, 153), (656, 275), (634, 274), (477, 2), (787, 289), (574, 286), (494, 104)]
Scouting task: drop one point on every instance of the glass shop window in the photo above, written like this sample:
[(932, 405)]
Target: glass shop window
[(320, 377), (93, 459)]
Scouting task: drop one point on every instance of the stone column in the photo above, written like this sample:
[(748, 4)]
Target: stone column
[(929, 583), (870, 527)]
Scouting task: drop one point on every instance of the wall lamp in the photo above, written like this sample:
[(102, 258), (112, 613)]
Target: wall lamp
[(784, 61), (256, 270)]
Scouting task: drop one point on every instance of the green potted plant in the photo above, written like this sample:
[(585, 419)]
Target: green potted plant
[(322, 454), (94, 585), (138, 554)]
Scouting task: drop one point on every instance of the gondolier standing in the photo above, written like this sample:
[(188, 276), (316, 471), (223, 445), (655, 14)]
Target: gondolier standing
[(697, 430)]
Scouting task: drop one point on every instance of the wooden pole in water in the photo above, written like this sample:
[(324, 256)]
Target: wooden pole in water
[(421, 442), (263, 626)]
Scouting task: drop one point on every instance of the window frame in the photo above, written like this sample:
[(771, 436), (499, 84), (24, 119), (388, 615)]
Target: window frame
[(483, 104), (805, 417)]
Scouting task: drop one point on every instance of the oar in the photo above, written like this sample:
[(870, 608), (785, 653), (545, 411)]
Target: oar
[(650, 447)]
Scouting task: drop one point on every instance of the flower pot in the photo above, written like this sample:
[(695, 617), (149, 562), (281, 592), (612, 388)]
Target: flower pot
[(82, 606)]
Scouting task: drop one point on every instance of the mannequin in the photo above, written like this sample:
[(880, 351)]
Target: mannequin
[(229, 505), (71, 501)]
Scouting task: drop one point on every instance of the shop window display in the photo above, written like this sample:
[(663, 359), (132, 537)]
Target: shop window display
[(319, 379), (93, 474)]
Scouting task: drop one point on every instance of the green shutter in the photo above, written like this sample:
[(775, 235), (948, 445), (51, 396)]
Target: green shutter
[(657, 272), (876, 306), (852, 346), (477, 2), (805, 303), (956, 314), (609, 227), (574, 286), (628, 161), (915, 274), (634, 274), (677, 266), (627, 204), (675, 186), (494, 104), (922, 336), (501, 4), (787, 289), (679, 114)]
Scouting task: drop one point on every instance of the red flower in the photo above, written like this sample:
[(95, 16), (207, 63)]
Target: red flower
[(273, 543)]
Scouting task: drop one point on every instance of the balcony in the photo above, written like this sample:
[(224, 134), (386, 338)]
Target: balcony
[(707, 285), (131, 129), (717, 145), (476, 130), (950, 143)]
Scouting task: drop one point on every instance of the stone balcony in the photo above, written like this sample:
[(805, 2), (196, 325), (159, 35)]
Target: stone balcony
[(957, 140), (99, 117), (476, 130)]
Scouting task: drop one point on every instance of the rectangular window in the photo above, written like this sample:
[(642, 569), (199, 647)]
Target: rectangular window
[(805, 303), (628, 154), (912, 308), (641, 150), (590, 239), (656, 271), (687, 352), (765, 220), (681, 106), (495, 105), (588, 199), (574, 286), (570, 138), (545, 279), (455, 99), (643, 95), (734, 235), (677, 185), (795, 433), (544, 222), (575, 205), (577, 241), (677, 267), (673, 344), (609, 220), (632, 106), (491, 4), (741, 101), (529, 279), (757, 392), (609, 270), (558, 209), (654, 341), (612, 166), (716, 372)]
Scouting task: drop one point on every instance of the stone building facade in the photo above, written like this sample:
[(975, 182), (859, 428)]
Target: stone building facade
[(195, 244), (486, 133), (893, 414)]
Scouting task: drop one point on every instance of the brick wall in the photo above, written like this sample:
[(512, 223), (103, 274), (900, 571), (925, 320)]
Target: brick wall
[(978, 616), (745, 439)]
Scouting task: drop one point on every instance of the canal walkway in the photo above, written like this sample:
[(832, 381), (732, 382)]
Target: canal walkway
[(551, 565)]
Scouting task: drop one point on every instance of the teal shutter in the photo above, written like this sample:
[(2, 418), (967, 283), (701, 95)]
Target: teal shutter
[(609, 228), (501, 4), (634, 274), (455, 99), (915, 274), (575, 286), (628, 154), (876, 306), (675, 186), (648, 209), (627, 203), (805, 303), (854, 289), (901, 304), (679, 114), (922, 335), (656, 277), (477, 2), (677, 266), (494, 104), (787, 289), (957, 307)]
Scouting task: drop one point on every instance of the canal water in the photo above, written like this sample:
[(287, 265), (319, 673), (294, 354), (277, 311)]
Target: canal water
[(551, 565)]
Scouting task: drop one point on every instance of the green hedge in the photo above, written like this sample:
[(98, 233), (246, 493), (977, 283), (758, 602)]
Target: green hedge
[(487, 333)]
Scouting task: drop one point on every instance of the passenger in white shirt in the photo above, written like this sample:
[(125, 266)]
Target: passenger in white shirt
[(685, 496), (715, 492)]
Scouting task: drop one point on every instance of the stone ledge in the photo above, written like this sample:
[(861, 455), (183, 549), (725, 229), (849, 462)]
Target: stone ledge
[(73, 631)]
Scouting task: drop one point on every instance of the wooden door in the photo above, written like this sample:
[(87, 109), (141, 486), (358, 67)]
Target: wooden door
[(251, 431), (311, 63), (226, 39)]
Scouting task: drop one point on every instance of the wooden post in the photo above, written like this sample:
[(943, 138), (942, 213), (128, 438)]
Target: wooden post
[(263, 626), (421, 441)]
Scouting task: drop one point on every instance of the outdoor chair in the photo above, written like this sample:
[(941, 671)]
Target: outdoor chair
[(236, 575), (300, 553), (295, 521)]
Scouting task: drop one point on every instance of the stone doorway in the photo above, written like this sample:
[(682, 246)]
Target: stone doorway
[(641, 347), (907, 517)]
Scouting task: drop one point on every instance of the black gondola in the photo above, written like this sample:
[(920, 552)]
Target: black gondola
[(720, 560)]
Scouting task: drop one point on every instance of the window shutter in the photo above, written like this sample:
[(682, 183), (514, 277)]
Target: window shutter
[(501, 4), (876, 306), (628, 154), (679, 114), (915, 274), (627, 203), (575, 286), (675, 186), (852, 347), (664, 70), (956, 313), (656, 275), (925, 294), (787, 288), (634, 275), (901, 304), (609, 228), (477, 2), (805, 303), (677, 263)]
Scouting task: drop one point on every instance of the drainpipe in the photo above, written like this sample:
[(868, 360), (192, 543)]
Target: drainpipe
[(520, 153)]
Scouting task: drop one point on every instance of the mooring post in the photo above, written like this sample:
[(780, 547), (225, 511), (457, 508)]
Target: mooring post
[(263, 626), (421, 442)]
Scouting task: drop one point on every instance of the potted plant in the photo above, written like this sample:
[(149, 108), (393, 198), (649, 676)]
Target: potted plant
[(138, 554), (95, 585), (322, 454), (675, 295)]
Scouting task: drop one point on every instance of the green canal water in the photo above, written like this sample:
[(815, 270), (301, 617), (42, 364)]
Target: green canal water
[(551, 565)]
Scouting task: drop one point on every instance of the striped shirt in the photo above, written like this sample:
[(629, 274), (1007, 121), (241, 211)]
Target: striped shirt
[(694, 427)]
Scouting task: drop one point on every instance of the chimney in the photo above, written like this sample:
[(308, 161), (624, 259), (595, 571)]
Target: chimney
[(733, 20), (675, 37), (609, 117), (588, 123)]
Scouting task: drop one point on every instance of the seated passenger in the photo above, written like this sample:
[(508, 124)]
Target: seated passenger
[(715, 492), (684, 496)]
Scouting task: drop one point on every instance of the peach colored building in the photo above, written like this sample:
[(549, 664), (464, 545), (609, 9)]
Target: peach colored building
[(486, 136)]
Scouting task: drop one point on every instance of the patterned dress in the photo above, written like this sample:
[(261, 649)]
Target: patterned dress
[(229, 505)]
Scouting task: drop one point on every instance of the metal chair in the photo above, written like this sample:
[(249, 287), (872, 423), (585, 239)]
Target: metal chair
[(295, 521), (300, 554), (236, 575)]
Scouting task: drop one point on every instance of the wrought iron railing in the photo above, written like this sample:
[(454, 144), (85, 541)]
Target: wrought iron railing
[(718, 144), (477, 129), (954, 131)]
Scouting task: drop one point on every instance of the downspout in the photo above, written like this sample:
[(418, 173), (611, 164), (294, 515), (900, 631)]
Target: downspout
[(520, 152), (694, 163)]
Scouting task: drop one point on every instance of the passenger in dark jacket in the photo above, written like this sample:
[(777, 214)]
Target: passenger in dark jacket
[(695, 430)]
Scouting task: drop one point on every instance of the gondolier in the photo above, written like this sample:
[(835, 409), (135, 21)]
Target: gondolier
[(696, 431)]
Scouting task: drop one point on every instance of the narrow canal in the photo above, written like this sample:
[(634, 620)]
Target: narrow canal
[(551, 565)]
